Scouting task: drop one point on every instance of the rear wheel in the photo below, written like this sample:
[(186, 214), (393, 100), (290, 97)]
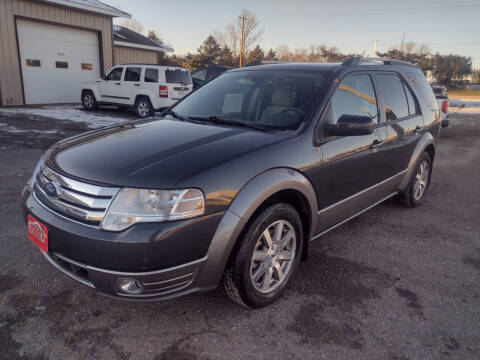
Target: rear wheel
[(266, 258), (88, 100), (143, 108), (414, 193)]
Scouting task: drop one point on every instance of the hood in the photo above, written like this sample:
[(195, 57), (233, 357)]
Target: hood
[(153, 154)]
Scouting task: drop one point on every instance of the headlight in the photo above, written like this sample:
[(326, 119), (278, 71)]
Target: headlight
[(131, 206)]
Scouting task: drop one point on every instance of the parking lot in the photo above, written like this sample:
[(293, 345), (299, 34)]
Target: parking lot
[(394, 283)]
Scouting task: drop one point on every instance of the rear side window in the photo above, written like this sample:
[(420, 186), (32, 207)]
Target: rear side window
[(133, 74), (115, 74), (421, 85), (393, 96), (177, 77), (354, 96), (412, 105), (151, 75)]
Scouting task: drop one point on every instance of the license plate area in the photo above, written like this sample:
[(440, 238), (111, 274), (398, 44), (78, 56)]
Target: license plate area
[(37, 233)]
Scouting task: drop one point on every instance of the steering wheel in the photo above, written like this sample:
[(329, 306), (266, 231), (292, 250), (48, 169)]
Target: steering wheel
[(294, 110)]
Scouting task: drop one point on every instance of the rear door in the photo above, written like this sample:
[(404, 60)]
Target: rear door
[(111, 87), (179, 83), (403, 121), (130, 84)]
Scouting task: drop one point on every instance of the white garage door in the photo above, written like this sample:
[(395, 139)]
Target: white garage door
[(55, 61)]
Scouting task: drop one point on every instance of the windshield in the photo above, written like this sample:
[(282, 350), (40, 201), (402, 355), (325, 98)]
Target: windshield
[(271, 98)]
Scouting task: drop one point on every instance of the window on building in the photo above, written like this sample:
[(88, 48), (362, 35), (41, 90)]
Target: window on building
[(61, 64), (33, 62), (87, 66)]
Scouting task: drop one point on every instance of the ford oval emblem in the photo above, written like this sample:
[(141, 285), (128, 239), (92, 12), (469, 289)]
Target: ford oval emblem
[(51, 189)]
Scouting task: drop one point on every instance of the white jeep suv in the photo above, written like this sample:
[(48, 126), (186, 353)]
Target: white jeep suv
[(144, 87)]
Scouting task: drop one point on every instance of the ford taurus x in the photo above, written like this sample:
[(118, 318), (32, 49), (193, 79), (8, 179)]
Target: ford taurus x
[(229, 185)]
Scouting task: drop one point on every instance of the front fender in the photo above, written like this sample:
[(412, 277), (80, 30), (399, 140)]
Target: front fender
[(426, 140), (249, 198)]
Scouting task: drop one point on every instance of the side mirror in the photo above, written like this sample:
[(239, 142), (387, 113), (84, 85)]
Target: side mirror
[(351, 125)]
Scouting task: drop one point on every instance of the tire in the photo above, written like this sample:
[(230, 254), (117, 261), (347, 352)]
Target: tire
[(257, 281), (143, 108), (413, 195), (88, 100)]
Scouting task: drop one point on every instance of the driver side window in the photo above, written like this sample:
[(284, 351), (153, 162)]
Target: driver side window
[(115, 74), (354, 96)]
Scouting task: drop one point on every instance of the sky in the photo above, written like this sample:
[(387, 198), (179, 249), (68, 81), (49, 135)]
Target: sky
[(451, 26)]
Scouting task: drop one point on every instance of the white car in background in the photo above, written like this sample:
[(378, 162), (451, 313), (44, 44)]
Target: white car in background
[(145, 88), (441, 94)]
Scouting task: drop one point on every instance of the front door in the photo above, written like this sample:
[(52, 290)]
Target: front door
[(111, 87), (131, 83), (352, 176)]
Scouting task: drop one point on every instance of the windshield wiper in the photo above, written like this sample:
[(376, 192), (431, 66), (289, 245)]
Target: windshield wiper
[(174, 114), (226, 121)]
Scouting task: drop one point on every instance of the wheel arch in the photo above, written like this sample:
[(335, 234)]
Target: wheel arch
[(425, 144), (279, 184)]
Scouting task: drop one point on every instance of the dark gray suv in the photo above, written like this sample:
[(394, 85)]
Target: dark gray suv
[(233, 182)]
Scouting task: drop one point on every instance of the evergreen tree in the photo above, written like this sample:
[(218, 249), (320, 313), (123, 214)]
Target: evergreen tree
[(256, 54), (226, 57), (271, 55), (209, 52)]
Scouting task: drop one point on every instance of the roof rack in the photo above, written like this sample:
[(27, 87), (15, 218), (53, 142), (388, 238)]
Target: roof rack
[(264, 62), (358, 60)]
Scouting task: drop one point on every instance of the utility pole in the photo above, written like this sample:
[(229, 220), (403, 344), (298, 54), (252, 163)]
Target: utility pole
[(403, 40), (242, 39)]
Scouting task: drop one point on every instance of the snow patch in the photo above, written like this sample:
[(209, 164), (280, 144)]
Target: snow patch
[(66, 113)]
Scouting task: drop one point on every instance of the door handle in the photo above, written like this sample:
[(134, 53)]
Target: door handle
[(376, 143), (118, 83), (417, 129)]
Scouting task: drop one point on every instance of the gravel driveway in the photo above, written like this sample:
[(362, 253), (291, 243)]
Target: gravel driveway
[(392, 284)]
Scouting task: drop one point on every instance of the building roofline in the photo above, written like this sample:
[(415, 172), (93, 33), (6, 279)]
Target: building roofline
[(161, 47), (110, 11)]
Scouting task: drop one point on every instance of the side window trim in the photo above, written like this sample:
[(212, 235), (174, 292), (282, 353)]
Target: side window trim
[(418, 110)]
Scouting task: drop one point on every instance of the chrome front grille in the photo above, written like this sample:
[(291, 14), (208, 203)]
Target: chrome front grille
[(77, 200)]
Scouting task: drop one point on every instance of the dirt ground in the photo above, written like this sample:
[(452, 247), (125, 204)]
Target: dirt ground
[(394, 283)]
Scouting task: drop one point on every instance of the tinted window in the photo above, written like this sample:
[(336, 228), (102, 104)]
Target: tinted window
[(115, 74), (420, 83), (214, 72), (412, 107), (151, 75), (132, 74), (177, 77), (393, 96), (200, 74), (354, 96), (272, 99)]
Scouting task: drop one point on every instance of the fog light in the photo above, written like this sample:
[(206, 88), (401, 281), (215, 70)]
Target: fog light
[(130, 286)]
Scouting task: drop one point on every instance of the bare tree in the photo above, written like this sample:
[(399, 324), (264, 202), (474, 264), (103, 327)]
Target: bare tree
[(283, 52), (132, 24), (232, 33)]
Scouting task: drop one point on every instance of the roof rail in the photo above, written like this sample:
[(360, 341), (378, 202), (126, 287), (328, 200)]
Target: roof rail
[(264, 62), (358, 60)]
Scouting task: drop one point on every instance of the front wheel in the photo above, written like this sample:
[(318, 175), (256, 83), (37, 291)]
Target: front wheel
[(265, 259), (414, 193), (143, 108)]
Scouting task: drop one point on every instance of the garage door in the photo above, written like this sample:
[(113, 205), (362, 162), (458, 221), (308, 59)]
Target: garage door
[(55, 61)]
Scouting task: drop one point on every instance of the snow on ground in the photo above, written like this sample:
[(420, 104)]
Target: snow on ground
[(66, 113), (464, 106)]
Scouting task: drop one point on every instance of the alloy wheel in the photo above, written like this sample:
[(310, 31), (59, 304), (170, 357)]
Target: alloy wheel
[(273, 256), (143, 109), (88, 101), (421, 180)]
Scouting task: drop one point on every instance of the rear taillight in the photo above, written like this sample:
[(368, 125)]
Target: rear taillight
[(445, 106), (163, 91)]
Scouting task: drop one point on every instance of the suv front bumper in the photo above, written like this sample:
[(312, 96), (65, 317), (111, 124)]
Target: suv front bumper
[(166, 259)]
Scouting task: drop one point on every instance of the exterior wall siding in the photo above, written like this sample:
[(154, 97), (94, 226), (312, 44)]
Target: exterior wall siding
[(10, 73), (126, 55)]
